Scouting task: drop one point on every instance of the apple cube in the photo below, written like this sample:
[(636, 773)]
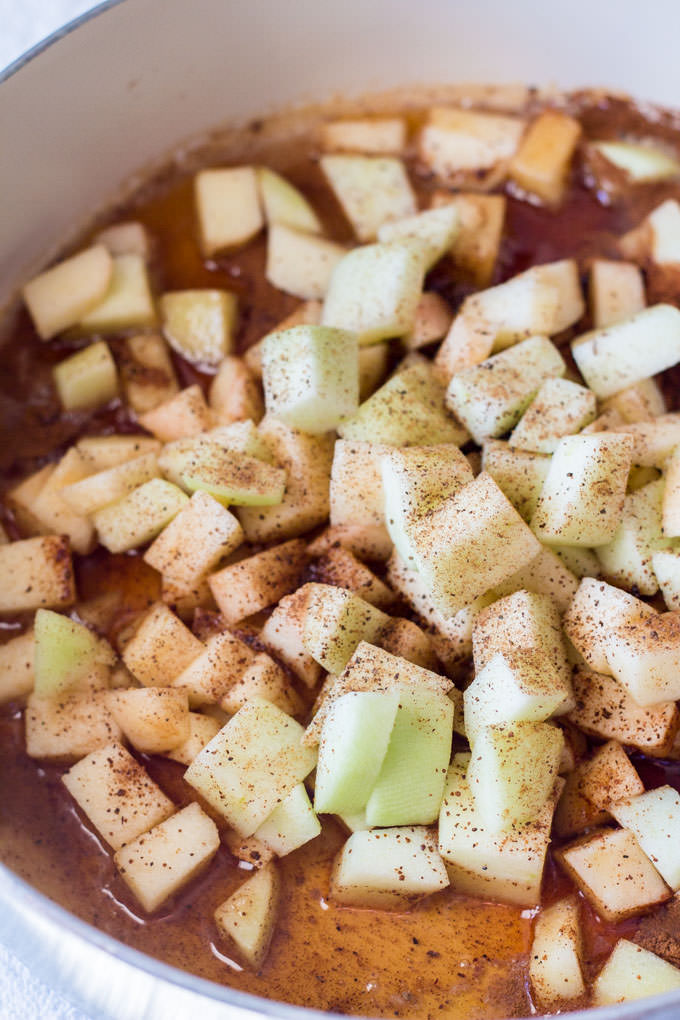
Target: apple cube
[(335, 622), (153, 719), (432, 322), (627, 557), (68, 656), (69, 728), (300, 263), (86, 379), (231, 478), (235, 394), (161, 861), (201, 534), (653, 441), (416, 480), (631, 973), (53, 514), (605, 710), (617, 292), (37, 573), (248, 917), (639, 162), (200, 324), (128, 303), (17, 674), (103, 452), (161, 648), (410, 784), (263, 678), (258, 581), (374, 290), (388, 868), (407, 640), (644, 656), (98, 490), (228, 207), (666, 567), (524, 622), (283, 635), (512, 771), (185, 414), (146, 372), (372, 135), (654, 818), (594, 786), (520, 474), (481, 219), (130, 238), (61, 296), (140, 516), (505, 866), (614, 874), (284, 204), (341, 568), (617, 356), (471, 543), (459, 145), (545, 574), (290, 825), (555, 956), (251, 765), (596, 610), (541, 164), (437, 228), (372, 190), (560, 408), (208, 677), (491, 397), (307, 462), (639, 403), (202, 729), (582, 499), (22, 497), (117, 795), (311, 376)]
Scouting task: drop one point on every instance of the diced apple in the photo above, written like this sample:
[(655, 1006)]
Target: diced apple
[(128, 303), (53, 514), (506, 866), (301, 264), (86, 379), (258, 581), (545, 574), (666, 567), (62, 295), (202, 729), (17, 674), (357, 497), (353, 743), (311, 376), (146, 372), (388, 868), (98, 490), (341, 568), (371, 135), (614, 874), (512, 771), (208, 677), (251, 765), (631, 973), (458, 545), (335, 622), (407, 640), (416, 480), (235, 393), (21, 500), (372, 190), (200, 324), (410, 784), (228, 206), (307, 462), (158, 863), (283, 634), (161, 648), (37, 573), (605, 710), (140, 516), (248, 917), (555, 957), (129, 238), (490, 398), (284, 204), (290, 825), (639, 403), (469, 147), (520, 474), (627, 557), (644, 656), (104, 452), (617, 292), (117, 795), (481, 219), (560, 408), (437, 228), (68, 657), (620, 355), (263, 678), (374, 290), (69, 728), (229, 477), (653, 441), (582, 500), (596, 610), (432, 322), (640, 162), (185, 414), (541, 164), (654, 818), (154, 719)]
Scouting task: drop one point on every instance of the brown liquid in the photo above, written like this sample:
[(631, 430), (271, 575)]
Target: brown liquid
[(450, 956)]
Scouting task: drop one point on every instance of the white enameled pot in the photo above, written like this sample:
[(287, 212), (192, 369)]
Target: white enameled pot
[(113, 94)]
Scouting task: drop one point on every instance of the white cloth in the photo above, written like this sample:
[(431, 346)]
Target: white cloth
[(24, 997)]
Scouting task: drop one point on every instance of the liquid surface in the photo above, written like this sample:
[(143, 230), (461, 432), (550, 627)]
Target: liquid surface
[(450, 956)]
